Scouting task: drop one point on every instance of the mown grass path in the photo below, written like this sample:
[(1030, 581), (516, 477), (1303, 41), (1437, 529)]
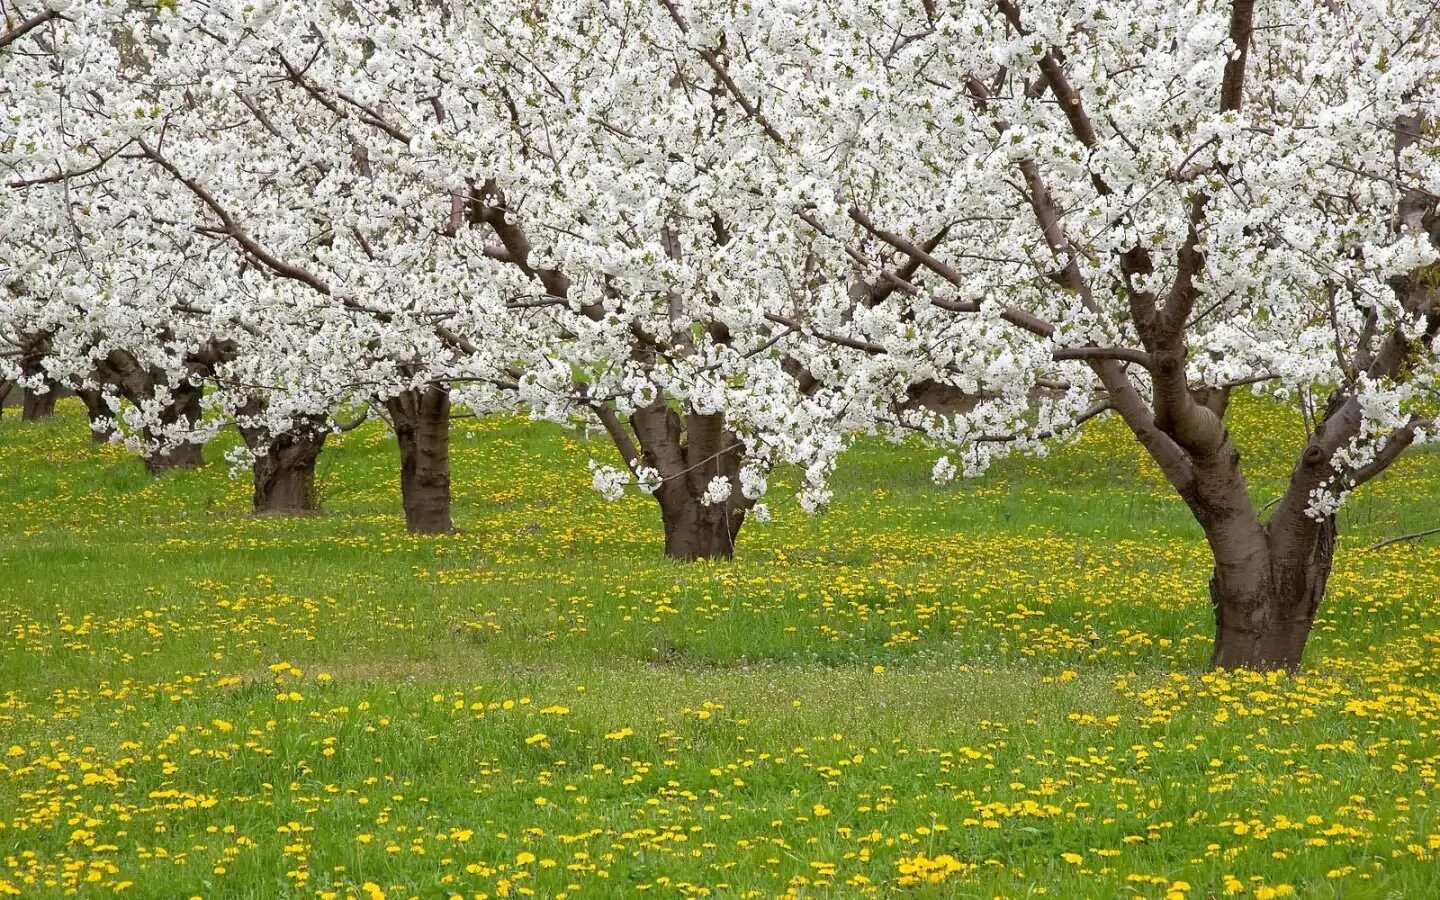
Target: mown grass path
[(995, 689)]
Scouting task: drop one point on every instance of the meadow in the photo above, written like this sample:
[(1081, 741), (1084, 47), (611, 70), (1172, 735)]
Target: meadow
[(994, 689)]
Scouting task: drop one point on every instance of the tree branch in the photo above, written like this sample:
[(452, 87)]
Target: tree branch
[(1090, 412), (839, 339), (1242, 26), (1014, 316), (234, 230), (64, 175), (616, 429), (26, 26), (713, 61), (1414, 536), (1123, 354)]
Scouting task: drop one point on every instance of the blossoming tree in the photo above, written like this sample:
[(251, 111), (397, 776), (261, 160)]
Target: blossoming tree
[(1087, 207), (496, 230)]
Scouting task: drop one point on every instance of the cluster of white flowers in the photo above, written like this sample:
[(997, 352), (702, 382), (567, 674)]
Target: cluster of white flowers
[(608, 480), (753, 482), (944, 471), (717, 490), (646, 477)]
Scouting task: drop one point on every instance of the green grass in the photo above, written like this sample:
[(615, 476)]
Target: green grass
[(1006, 676)]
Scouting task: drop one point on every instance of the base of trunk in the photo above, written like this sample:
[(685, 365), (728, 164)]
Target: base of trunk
[(1279, 646), (284, 477), (184, 408), (38, 406), (694, 531), (429, 515), (1265, 603), (422, 429), (185, 456)]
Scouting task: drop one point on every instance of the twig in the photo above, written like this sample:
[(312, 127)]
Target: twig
[(1404, 537), (24, 28)]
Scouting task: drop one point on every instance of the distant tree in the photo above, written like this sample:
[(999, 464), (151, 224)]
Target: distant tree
[(406, 201)]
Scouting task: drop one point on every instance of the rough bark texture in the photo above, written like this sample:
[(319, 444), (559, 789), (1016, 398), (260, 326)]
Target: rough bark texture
[(139, 384), (688, 451), (284, 474), (421, 419), (39, 406), (184, 410), (35, 405), (284, 468), (1265, 608), (184, 456), (694, 531), (100, 413)]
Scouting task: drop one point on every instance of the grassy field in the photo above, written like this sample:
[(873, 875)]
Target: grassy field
[(993, 689)]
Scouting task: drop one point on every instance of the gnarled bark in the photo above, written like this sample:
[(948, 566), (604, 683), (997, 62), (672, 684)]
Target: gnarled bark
[(139, 384), (688, 451), (283, 471), (182, 412), (37, 405), (100, 413), (1265, 603), (694, 530), (284, 474), (421, 419)]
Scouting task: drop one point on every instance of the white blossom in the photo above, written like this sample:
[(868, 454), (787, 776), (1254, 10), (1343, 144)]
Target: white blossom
[(717, 490), (608, 480)]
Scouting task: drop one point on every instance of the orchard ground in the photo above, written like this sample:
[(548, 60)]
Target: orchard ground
[(993, 689)]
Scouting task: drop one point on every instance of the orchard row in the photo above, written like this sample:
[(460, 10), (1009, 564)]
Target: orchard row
[(734, 237)]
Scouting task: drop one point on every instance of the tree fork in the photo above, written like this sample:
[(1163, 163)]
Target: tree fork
[(688, 452)]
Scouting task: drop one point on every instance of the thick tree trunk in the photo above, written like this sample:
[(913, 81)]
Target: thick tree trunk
[(183, 411), (283, 471), (39, 406), (34, 404), (1265, 608), (695, 531), (284, 474), (182, 456), (422, 427), (101, 415), (688, 452)]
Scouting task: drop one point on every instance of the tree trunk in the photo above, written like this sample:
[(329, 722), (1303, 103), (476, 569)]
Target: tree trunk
[(184, 411), (688, 452), (1265, 609), (284, 473), (36, 405), (39, 406), (182, 456), (695, 531), (101, 415), (422, 428)]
